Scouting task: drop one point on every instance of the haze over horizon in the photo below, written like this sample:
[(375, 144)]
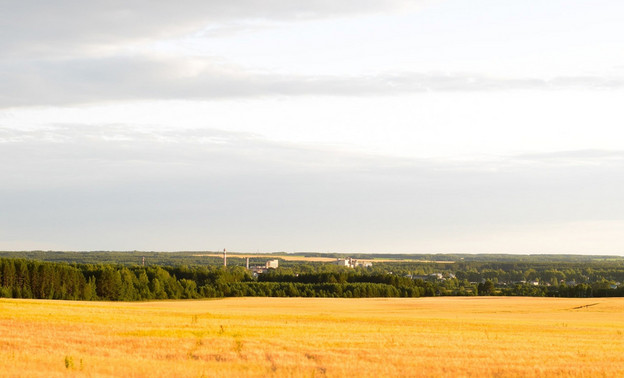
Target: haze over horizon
[(430, 126)]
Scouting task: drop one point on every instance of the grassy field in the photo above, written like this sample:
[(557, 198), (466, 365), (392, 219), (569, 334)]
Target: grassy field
[(312, 258), (314, 337), (283, 257)]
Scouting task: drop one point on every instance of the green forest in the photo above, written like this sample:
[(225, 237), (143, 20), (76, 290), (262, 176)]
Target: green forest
[(121, 276)]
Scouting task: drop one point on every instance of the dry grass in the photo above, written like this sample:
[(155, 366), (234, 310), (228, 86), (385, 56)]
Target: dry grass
[(314, 337), (283, 257)]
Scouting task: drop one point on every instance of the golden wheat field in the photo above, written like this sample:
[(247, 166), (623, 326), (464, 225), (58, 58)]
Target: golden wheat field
[(314, 337)]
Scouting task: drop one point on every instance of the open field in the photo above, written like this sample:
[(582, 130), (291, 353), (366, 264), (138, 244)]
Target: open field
[(283, 257), (449, 336), (313, 258)]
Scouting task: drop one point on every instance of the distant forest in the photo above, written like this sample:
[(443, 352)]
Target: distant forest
[(121, 276)]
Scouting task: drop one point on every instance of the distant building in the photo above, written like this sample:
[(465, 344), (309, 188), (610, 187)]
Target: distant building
[(352, 263), (343, 262), (259, 269)]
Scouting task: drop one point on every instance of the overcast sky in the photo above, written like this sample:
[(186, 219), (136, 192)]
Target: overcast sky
[(431, 126)]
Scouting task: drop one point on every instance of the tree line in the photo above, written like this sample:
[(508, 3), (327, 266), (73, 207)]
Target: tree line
[(22, 278), (26, 278)]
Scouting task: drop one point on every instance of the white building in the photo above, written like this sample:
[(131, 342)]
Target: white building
[(352, 263), (259, 269), (272, 264)]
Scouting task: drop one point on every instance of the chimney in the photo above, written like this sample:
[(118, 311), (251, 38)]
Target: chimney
[(224, 257)]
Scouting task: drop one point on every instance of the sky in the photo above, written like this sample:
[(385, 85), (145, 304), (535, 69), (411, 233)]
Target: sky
[(423, 126)]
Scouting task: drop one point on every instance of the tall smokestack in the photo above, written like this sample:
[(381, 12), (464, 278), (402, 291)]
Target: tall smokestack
[(224, 257), (247, 263)]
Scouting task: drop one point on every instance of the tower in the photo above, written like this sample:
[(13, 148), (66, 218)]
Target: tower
[(224, 257)]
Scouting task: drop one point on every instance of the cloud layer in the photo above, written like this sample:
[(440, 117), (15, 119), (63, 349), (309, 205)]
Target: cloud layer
[(72, 52), (34, 27), (122, 78), (92, 185), (129, 172)]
